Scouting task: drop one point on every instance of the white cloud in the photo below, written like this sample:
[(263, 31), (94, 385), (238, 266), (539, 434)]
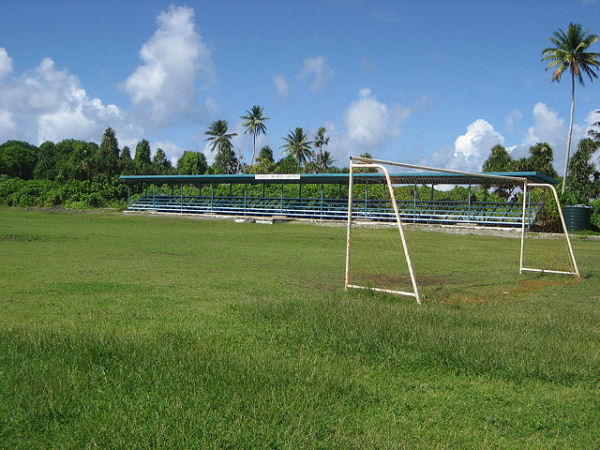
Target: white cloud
[(470, 149), (163, 89), (473, 148), (370, 122), (422, 104), (592, 118), (49, 104), (514, 116), (547, 126), (317, 70), (370, 125), (8, 127), (281, 86), (5, 63)]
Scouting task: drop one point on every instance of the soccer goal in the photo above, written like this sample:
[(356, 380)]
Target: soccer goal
[(488, 218)]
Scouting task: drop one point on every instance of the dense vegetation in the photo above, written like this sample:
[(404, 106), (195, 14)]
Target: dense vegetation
[(76, 173)]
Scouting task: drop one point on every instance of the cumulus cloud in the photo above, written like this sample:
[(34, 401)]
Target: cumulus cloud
[(369, 126), (592, 118), (49, 103), (369, 122), (473, 148), (470, 149), (317, 71), (163, 89), (8, 127), (547, 126), (281, 86), (5, 63)]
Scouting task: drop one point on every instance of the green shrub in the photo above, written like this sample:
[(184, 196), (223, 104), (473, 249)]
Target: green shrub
[(595, 218), (99, 192)]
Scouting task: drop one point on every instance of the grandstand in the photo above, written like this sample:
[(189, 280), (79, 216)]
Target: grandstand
[(325, 196)]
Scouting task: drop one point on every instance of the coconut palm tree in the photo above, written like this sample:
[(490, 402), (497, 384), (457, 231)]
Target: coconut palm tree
[(324, 160), (298, 145), (218, 136), (594, 131), (320, 140), (254, 121), (570, 52)]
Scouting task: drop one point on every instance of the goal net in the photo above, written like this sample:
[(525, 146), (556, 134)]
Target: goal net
[(441, 234)]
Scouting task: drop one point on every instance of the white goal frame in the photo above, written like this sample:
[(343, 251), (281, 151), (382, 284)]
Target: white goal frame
[(359, 162)]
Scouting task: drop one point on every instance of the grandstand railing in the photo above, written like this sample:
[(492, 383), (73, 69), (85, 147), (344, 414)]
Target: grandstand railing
[(440, 211)]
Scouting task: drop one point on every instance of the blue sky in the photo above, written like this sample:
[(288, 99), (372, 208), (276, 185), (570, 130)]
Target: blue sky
[(433, 82)]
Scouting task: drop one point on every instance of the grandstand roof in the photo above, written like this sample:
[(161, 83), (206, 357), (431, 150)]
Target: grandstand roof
[(331, 178)]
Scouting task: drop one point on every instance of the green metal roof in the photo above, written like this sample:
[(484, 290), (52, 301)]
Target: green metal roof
[(330, 178)]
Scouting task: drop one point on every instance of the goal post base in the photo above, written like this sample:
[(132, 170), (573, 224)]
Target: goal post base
[(559, 272), (387, 291)]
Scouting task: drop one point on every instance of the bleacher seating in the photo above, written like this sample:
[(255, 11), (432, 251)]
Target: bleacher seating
[(434, 212)]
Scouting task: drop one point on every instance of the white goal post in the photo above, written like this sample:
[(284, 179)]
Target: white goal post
[(363, 169)]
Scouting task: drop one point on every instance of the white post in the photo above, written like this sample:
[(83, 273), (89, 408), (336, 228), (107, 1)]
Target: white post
[(400, 229), (349, 230), (523, 227), (566, 234), (564, 227)]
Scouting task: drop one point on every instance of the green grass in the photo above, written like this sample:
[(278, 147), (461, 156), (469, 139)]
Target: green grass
[(134, 332)]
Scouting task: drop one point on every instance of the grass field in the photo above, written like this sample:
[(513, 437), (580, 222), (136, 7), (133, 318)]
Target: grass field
[(136, 331)]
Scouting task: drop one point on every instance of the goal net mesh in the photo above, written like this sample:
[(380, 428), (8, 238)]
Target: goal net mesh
[(462, 233)]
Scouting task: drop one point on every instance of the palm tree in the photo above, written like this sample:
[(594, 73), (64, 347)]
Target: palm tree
[(594, 131), (218, 136), (254, 121), (297, 145), (570, 52), (324, 160), (320, 140)]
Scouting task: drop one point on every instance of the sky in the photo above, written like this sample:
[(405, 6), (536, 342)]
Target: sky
[(427, 82)]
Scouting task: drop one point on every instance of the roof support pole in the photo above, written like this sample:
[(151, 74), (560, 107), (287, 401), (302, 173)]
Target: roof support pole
[(367, 197), (469, 203), (322, 194), (415, 203), (529, 215)]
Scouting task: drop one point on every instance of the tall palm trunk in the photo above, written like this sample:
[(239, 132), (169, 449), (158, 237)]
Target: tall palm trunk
[(564, 183), (253, 148)]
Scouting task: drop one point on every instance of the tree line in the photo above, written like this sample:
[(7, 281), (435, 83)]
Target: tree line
[(79, 173), (73, 159)]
